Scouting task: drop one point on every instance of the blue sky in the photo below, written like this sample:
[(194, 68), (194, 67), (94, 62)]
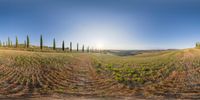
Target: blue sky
[(115, 24)]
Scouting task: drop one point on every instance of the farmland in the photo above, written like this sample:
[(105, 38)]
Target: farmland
[(164, 74)]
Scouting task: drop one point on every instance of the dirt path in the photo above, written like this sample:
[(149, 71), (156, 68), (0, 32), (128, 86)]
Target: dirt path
[(93, 84)]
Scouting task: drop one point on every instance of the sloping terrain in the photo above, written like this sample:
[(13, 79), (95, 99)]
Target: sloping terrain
[(167, 74)]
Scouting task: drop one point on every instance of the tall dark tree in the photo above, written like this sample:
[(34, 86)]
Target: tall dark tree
[(70, 46), (63, 45), (41, 42), (83, 49), (88, 49), (8, 44), (11, 43), (4, 44), (25, 45), (77, 46), (28, 41), (54, 44), (0, 44), (16, 42), (198, 44)]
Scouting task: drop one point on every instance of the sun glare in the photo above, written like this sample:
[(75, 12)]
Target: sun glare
[(99, 45)]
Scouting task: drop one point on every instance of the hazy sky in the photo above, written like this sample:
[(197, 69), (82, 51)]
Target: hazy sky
[(115, 24)]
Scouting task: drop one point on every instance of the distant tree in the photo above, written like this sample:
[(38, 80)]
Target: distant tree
[(8, 44), (0, 44), (63, 45), (25, 45), (88, 49), (11, 43), (70, 46), (28, 41), (197, 44), (4, 44), (41, 42), (16, 42), (83, 48), (77, 46), (54, 44)]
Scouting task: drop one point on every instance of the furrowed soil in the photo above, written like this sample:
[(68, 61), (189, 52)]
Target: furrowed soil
[(93, 76)]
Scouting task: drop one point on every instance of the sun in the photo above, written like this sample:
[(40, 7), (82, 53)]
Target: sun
[(99, 45)]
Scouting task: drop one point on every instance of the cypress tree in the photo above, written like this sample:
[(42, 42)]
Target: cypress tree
[(70, 46), (0, 44), (63, 45), (16, 44), (4, 44), (8, 44), (11, 43), (28, 41), (197, 44), (41, 42), (54, 44), (77, 47), (25, 44), (88, 49), (83, 48)]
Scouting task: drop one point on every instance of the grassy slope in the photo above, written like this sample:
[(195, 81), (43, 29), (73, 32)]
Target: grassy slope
[(169, 74)]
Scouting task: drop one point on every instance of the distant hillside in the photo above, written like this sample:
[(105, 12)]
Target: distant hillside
[(133, 52)]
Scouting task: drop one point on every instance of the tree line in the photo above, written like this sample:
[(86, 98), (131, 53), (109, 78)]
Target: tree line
[(26, 44), (198, 45)]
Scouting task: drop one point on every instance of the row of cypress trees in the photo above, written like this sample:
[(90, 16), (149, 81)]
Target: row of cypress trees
[(27, 44), (198, 45)]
